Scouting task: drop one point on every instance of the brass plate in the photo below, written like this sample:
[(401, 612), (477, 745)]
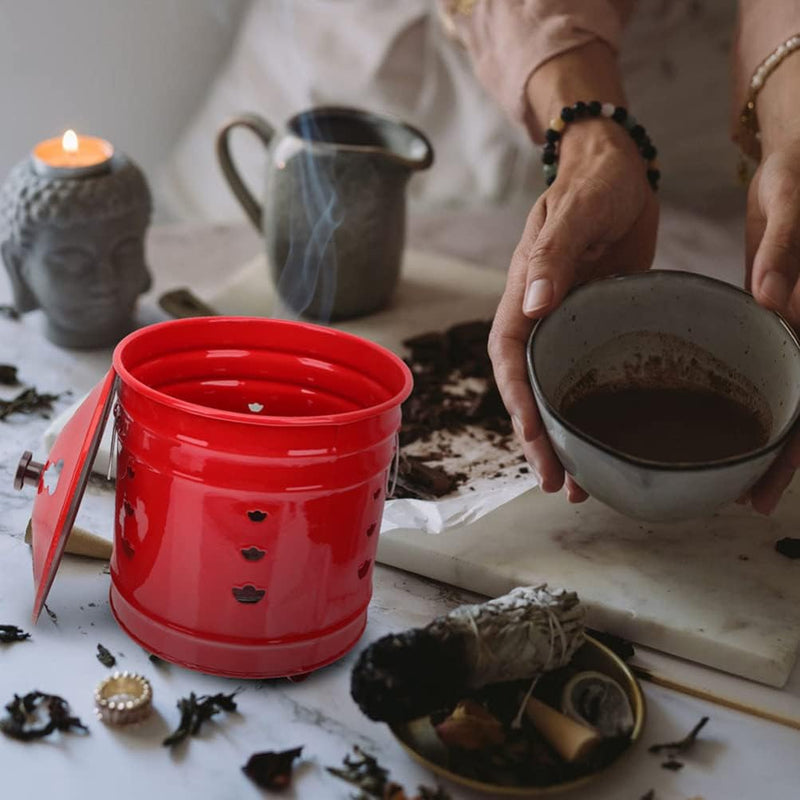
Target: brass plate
[(421, 742)]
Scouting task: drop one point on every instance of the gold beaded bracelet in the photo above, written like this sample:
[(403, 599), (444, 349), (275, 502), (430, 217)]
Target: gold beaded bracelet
[(749, 140)]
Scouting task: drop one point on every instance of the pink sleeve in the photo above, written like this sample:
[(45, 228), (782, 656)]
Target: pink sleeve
[(762, 26), (509, 39)]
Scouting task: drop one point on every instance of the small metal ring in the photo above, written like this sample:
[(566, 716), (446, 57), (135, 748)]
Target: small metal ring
[(123, 698)]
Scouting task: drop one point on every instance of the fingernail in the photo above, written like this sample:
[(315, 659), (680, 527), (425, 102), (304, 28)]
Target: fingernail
[(775, 288), (539, 295)]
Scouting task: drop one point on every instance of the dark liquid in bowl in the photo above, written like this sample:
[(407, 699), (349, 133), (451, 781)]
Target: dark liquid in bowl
[(667, 424)]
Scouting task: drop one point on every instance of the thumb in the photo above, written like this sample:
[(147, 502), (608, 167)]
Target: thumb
[(776, 263), (552, 266)]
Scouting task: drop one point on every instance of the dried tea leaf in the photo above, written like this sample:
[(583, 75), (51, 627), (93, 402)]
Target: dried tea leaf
[(9, 312), (51, 614), (649, 795), (8, 375), (672, 764), (105, 657), (24, 713), (11, 633), (471, 727), (365, 773), (28, 401), (681, 746), (197, 710), (272, 770), (788, 547)]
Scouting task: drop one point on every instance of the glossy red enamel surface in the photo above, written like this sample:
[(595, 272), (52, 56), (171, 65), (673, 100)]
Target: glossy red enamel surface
[(252, 468), (62, 484)]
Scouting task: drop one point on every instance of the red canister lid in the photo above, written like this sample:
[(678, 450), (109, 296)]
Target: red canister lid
[(61, 483)]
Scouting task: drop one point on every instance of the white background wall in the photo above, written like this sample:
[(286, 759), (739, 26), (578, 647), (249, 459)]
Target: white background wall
[(131, 71)]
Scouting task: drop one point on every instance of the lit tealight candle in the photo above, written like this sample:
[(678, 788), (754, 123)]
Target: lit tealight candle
[(72, 156)]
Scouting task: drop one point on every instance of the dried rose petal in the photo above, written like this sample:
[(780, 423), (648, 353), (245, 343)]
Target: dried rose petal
[(272, 770), (471, 727)]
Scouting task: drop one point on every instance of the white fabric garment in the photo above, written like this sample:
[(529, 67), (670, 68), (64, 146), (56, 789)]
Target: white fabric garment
[(393, 56)]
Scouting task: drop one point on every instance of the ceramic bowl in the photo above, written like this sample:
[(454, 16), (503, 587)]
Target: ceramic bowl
[(612, 325)]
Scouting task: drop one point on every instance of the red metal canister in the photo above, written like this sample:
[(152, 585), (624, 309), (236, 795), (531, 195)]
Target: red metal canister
[(253, 463)]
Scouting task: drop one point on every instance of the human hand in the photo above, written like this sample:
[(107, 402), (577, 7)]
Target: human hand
[(773, 272), (598, 218)]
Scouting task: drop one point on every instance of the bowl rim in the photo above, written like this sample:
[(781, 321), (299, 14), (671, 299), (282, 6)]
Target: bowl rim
[(665, 466)]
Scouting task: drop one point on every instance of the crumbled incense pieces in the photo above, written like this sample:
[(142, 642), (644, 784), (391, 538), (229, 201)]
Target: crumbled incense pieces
[(366, 774), (197, 710), (28, 401), (11, 633), (24, 713), (270, 770), (105, 657)]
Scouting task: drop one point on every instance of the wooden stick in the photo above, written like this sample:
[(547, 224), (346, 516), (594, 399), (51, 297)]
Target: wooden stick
[(702, 694)]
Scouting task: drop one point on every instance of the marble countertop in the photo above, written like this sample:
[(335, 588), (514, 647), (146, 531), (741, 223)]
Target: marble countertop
[(738, 756)]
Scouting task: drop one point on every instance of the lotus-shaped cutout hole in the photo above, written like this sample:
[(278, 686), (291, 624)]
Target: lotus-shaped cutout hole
[(248, 593), (51, 475), (253, 553)]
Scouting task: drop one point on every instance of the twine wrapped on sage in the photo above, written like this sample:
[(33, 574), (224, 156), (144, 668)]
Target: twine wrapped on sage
[(529, 631)]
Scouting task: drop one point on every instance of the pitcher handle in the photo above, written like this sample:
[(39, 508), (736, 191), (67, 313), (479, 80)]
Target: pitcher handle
[(265, 132)]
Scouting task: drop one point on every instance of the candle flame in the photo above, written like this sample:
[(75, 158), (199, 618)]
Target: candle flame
[(69, 141)]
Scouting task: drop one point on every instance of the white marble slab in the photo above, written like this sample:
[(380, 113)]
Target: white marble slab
[(738, 758), (713, 591)]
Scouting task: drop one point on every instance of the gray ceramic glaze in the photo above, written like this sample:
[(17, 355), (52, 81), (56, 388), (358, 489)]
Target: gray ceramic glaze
[(610, 324), (74, 247), (334, 210)]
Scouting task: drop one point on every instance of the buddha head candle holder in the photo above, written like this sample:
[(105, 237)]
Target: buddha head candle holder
[(72, 229)]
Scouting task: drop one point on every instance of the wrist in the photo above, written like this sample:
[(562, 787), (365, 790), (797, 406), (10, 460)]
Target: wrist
[(777, 110), (584, 73)]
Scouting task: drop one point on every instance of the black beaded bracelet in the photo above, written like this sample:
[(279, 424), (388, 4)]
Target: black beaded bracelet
[(595, 108)]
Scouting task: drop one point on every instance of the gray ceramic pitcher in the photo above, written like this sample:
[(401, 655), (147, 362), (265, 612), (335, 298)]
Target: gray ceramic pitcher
[(334, 208)]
